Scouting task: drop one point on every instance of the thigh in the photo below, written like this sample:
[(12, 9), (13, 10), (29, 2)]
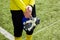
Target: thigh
[(17, 16)]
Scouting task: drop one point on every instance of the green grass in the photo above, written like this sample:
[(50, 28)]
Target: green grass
[(47, 10), (2, 37)]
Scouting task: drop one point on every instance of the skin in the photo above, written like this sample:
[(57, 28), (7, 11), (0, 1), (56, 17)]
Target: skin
[(28, 13)]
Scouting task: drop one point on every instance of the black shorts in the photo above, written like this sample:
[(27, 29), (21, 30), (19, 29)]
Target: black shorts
[(17, 16)]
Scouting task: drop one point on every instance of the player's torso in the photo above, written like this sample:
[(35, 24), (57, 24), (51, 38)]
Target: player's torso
[(26, 1), (13, 5)]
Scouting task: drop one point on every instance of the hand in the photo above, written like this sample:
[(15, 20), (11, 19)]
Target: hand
[(28, 12)]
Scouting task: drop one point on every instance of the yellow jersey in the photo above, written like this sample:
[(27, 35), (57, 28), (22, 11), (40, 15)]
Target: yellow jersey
[(20, 4)]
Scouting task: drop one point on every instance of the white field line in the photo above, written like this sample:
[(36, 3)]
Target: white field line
[(11, 37), (6, 34), (45, 27)]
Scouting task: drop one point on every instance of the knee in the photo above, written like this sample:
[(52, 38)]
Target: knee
[(30, 32), (17, 33)]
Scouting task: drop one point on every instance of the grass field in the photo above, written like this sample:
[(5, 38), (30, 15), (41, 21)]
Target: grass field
[(47, 10)]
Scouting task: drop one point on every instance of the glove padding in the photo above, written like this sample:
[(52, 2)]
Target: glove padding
[(31, 24)]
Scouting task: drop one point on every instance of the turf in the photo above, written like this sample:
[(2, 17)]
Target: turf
[(2, 37), (47, 10)]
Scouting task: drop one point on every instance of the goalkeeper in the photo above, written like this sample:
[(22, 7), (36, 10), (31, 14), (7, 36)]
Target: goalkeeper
[(19, 9)]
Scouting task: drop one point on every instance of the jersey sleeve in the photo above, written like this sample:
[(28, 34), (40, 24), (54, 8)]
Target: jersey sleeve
[(32, 2), (20, 4)]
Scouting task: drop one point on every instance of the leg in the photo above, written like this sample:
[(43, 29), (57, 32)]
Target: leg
[(17, 16), (29, 34)]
